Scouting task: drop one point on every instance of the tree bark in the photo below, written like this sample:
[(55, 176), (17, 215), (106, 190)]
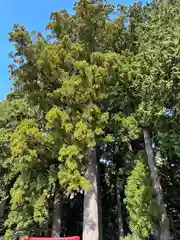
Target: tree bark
[(57, 215), (164, 221), (2, 207), (92, 224), (119, 208)]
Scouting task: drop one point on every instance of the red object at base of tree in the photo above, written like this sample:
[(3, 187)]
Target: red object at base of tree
[(46, 238)]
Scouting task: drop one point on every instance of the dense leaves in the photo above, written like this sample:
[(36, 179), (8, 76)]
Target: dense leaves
[(140, 204)]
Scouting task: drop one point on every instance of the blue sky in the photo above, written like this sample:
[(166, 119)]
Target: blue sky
[(34, 15)]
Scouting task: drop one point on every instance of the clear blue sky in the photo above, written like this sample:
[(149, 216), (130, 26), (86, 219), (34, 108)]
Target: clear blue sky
[(34, 15)]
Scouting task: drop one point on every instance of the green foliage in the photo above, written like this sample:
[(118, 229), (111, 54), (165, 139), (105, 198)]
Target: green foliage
[(131, 237), (8, 235), (142, 209), (155, 63)]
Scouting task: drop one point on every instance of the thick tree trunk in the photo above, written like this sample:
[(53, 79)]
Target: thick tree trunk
[(164, 221), (57, 215), (92, 225), (119, 208)]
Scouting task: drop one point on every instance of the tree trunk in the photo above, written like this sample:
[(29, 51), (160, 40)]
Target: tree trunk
[(56, 225), (164, 221), (2, 207), (92, 225), (119, 208)]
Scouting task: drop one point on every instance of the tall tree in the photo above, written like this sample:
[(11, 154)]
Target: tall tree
[(157, 189)]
